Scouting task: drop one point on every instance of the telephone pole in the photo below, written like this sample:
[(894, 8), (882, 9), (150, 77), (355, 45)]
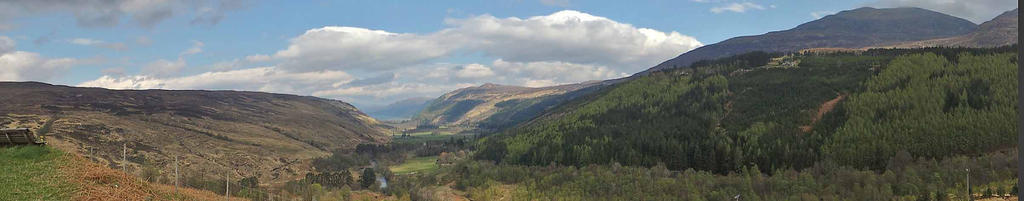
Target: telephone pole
[(227, 185), (1020, 112), (124, 157), (175, 174)]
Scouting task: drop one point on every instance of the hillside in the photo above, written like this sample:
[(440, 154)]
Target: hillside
[(856, 28), (728, 113), (492, 105), (43, 173), (399, 110), (249, 133), (1000, 31)]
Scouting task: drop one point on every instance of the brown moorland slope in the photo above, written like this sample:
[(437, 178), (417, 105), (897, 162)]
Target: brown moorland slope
[(272, 136)]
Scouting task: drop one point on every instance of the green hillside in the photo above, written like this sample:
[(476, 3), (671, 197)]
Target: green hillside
[(777, 112)]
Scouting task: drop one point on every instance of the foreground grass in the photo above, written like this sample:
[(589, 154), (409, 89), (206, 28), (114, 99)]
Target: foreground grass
[(31, 173), (417, 164), (45, 173)]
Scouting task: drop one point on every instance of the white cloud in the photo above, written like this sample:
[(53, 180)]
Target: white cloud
[(473, 71), (107, 13), (97, 43), (357, 48), (821, 14), (164, 68), (268, 79), (25, 66), (568, 36), (560, 48), (197, 47), (257, 58), (976, 11), (737, 7), (6, 45), (555, 72)]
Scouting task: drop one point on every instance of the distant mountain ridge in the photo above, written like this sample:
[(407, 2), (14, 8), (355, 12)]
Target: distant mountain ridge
[(1000, 31), (856, 28), (399, 110), (495, 104), (272, 136)]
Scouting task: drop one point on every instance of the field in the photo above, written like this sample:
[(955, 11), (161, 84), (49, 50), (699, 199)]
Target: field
[(429, 136), (30, 173), (417, 164)]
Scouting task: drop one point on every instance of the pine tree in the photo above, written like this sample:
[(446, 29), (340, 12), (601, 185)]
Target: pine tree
[(367, 178)]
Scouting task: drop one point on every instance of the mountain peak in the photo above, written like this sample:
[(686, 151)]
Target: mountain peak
[(857, 28)]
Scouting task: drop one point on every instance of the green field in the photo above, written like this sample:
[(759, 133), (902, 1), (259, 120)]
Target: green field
[(419, 137), (30, 173), (418, 164)]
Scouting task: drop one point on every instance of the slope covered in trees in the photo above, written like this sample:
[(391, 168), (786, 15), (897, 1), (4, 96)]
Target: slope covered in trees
[(753, 109)]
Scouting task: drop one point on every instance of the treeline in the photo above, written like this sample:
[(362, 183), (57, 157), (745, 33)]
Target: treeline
[(903, 178), (737, 112), (931, 107)]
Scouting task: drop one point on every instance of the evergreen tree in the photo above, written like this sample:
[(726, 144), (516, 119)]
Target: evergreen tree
[(368, 178)]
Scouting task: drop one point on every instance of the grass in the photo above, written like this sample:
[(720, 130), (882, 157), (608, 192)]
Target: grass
[(31, 173), (417, 164), (429, 133), (428, 137)]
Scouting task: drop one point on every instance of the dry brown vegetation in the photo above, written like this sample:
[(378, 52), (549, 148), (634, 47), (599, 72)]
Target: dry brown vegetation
[(273, 136), (97, 182)]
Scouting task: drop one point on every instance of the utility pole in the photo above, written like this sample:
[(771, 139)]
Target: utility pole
[(175, 174), (124, 157), (1020, 112), (227, 185), (970, 195)]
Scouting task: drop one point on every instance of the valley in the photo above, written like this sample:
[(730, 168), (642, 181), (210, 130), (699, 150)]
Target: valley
[(864, 104)]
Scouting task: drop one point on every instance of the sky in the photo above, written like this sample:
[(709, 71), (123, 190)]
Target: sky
[(371, 53)]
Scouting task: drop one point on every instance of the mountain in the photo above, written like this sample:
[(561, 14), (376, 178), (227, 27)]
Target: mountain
[(1000, 31), (856, 28), (780, 111), (270, 135), (399, 110), (493, 105)]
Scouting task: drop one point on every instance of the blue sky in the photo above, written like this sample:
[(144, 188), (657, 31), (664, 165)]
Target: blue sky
[(375, 52)]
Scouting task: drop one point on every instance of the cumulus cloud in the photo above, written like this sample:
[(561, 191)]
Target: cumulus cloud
[(821, 14), (257, 58), (98, 43), (197, 47), (569, 36), (737, 7), (212, 14), (164, 68), (560, 48), (976, 11), (25, 66), (473, 71), (107, 13), (268, 79), (358, 48), (22, 66), (6, 45)]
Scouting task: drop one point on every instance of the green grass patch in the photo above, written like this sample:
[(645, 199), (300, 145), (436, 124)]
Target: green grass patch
[(418, 164), (30, 173), (430, 133), (427, 138)]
